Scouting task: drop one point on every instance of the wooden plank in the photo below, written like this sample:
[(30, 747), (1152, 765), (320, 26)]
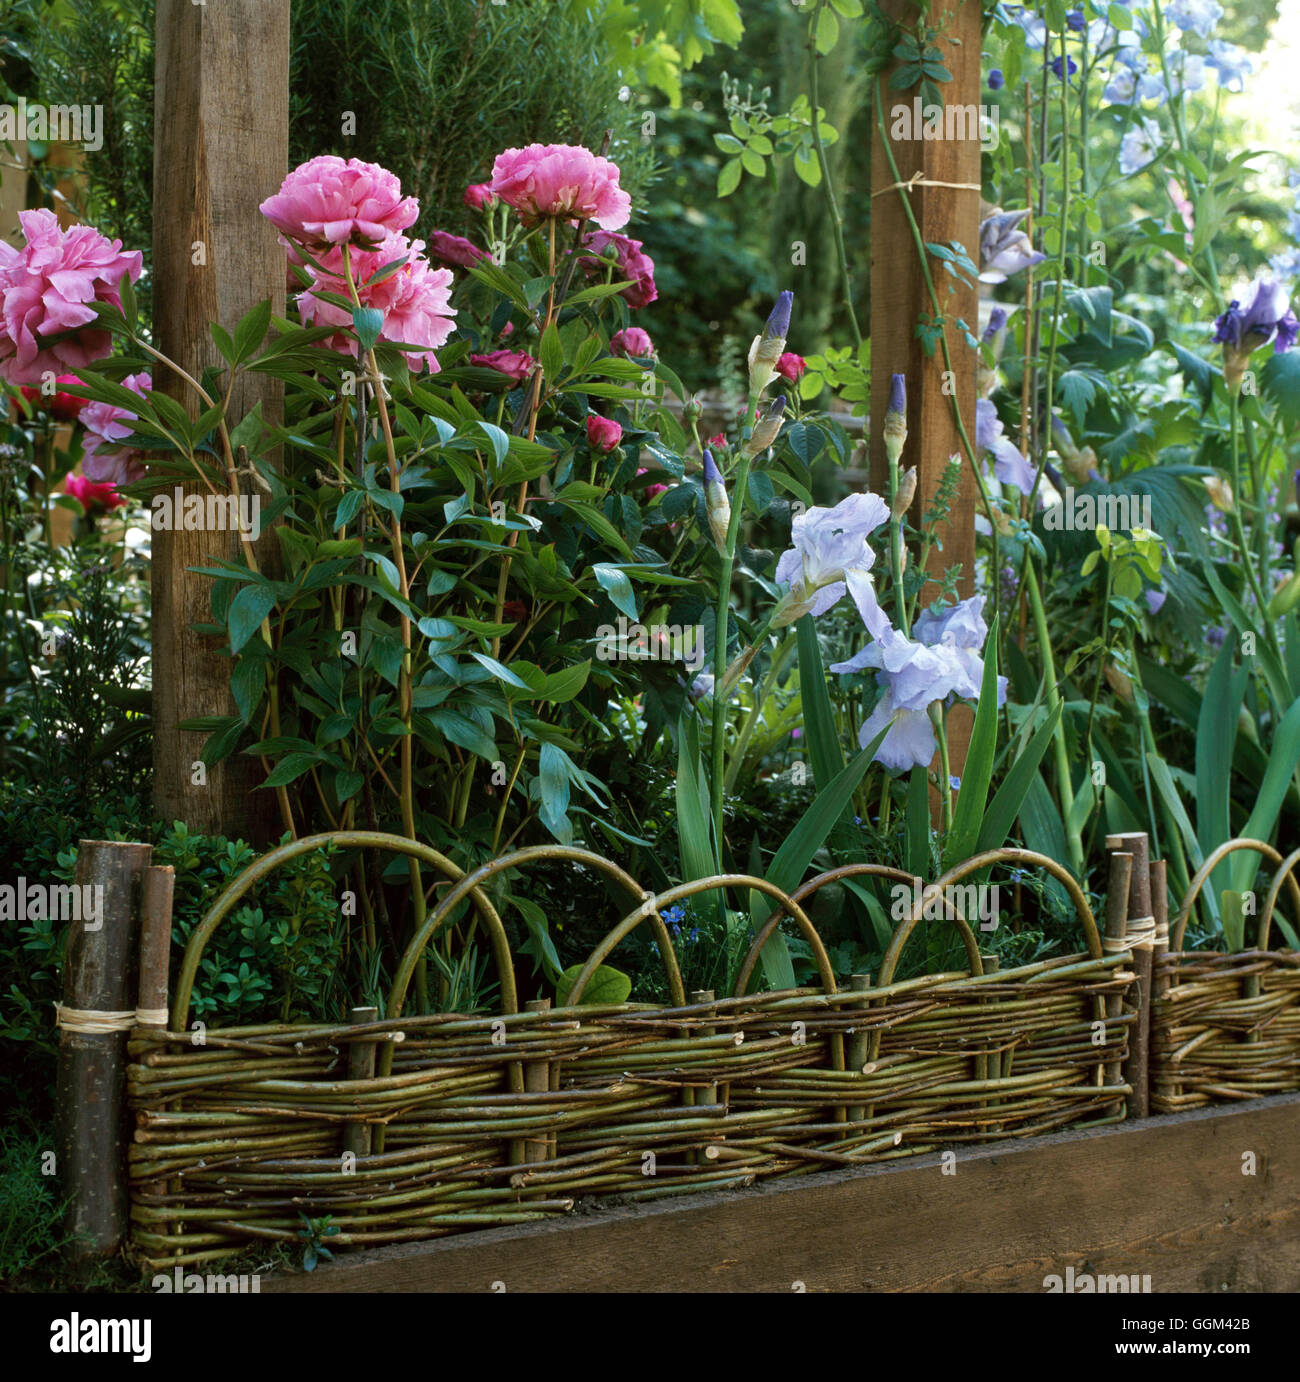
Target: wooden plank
[(222, 103), (1164, 1197)]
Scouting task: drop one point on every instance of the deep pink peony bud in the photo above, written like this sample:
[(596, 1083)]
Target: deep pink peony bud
[(480, 196), (603, 433), (632, 341), (514, 364), (790, 366)]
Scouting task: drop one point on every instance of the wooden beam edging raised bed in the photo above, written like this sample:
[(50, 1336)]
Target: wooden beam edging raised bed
[(1203, 1201)]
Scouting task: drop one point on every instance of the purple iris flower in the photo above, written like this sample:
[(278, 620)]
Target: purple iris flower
[(997, 320), (1262, 315), (830, 557), (943, 660), (1005, 249), (1009, 465), (898, 394), (778, 321)]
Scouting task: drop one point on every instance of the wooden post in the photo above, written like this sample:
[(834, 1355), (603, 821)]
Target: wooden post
[(98, 977), (537, 1080), (1140, 934), (1117, 888), (899, 296), (361, 1066), (222, 122), (155, 944), (708, 1094), (859, 1045)]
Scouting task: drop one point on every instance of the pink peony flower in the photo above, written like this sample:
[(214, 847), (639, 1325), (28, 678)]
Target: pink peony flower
[(103, 458), (790, 366), (631, 262), (454, 249), (480, 196), (632, 341), (514, 364), (603, 433), (91, 495), (415, 300), (50, 286), (651, 490), (62, 407), (561, 180), (333, 201)]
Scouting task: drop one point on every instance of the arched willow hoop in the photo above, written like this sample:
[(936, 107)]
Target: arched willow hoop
[(469, 883), (801, 895), (973, 865), (685, 890), (1207, 868), (1286, 874), (360, 839)]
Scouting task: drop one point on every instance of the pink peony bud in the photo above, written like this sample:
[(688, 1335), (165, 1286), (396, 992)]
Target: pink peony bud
[(62, 407), (603, 433), (514, 364), (632, 341), (333, 201), (92, 495), (454, 249), (790, 366), (480, 196)]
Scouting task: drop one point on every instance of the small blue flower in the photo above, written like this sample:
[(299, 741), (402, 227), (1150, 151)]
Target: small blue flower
[(954, 782), (1056, 66), (1074, 20), (996, 80), (694, 936)]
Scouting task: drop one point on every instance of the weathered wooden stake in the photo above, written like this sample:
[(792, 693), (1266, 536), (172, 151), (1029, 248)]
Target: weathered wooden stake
[(537, 1080), (155, 944), (1117, 889), (361, 1066), (707, 1094), (859, 1045), (98, 985), (1140, 937)]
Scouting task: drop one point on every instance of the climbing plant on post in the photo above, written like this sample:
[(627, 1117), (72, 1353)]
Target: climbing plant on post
[(222, 121)]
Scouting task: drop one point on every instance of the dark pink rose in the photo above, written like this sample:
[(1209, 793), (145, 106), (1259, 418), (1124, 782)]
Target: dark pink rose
[(454, 249), (632, 341)]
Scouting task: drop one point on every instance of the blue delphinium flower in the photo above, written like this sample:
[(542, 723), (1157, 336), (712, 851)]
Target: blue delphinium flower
[(1229, 62), (1131, 81), (996, 80), (1056, 66), (1198, 16), (1075, 21), (1139, 147)]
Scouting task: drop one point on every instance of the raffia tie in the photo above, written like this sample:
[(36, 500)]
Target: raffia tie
[(920, 180), (97, 1022), (1141, 935)]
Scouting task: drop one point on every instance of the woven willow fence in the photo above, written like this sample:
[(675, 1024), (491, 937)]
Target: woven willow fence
[(412, 1127), (1227, 1026)]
